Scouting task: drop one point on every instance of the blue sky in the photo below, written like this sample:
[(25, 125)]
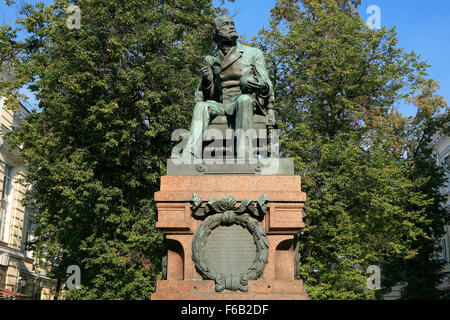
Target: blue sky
[(422, 26)]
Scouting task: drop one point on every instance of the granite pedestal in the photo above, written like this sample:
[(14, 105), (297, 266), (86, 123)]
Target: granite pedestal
[(282, 222)]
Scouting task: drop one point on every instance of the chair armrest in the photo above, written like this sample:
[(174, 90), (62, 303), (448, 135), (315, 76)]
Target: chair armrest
[(198, 96)]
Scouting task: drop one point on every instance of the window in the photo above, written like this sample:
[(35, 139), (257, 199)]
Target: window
[(7, 183), (7, 187), (443, 253), (30, 224), (3, 270), (2, 223), (446, 164)]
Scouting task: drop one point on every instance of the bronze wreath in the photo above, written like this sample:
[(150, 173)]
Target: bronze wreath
[(231, 282)]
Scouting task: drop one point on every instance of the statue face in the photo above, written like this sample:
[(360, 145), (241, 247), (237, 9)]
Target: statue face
[(225, 28)]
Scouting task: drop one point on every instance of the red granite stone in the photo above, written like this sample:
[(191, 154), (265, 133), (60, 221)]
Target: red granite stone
[(276, 188), (204, 290), (282, 221)]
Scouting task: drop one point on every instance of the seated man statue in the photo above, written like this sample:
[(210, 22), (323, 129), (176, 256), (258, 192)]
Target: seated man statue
[(235, 83)]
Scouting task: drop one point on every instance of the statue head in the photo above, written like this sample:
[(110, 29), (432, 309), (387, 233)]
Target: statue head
[(224, 30)]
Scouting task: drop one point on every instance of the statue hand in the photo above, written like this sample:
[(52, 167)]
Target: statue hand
[(206, 74), (253, 86)]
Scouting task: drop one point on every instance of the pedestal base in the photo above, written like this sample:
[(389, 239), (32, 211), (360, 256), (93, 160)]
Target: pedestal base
[(281, 223), (204, 290)]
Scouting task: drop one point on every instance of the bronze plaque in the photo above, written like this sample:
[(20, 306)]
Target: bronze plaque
[(230, 249)]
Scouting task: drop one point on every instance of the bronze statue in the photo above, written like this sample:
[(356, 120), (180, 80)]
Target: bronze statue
[(235, 83)]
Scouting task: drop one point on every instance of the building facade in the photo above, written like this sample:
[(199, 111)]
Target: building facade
[(18, 278), (441, 148)]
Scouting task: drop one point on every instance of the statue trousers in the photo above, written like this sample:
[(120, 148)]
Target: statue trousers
[(241, 109)]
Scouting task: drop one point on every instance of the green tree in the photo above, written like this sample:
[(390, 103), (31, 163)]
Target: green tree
[(337, 84), (422, 269), (110, 95)]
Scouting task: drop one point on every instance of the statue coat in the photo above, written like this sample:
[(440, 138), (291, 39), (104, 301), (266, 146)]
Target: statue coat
[(227, 93)]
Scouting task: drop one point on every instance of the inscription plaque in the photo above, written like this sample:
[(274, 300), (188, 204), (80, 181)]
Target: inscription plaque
[(230, 249)]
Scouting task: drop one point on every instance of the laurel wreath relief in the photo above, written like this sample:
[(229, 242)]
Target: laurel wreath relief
[(223, 212)]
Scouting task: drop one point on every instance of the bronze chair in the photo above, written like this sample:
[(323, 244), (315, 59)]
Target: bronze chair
[(263, 142)]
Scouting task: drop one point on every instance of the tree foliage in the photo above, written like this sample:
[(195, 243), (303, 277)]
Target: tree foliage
[(110, 95), (370, 178)]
